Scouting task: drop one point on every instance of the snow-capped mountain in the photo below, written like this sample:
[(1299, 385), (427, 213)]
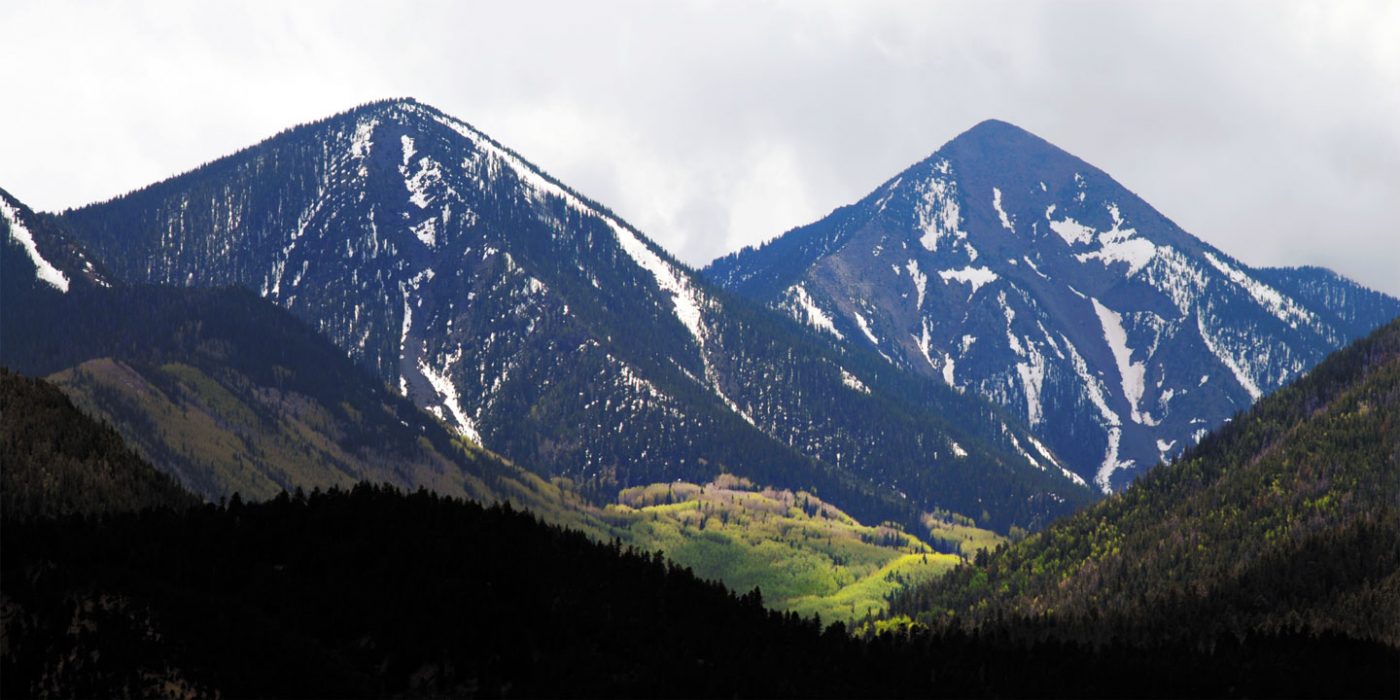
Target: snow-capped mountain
[(540, 324), (1013, 270)]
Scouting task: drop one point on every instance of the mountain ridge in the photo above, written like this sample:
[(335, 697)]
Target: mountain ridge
[(1009, 268), (537, 322)]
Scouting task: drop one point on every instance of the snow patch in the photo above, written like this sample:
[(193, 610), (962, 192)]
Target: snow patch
[(974, 276), (1072, 231), (429, 173), (1136, 252), (1032, 375), (1118, 244), (938, 211), (362, 142), (948, 371), (853, 382), (22, 235)]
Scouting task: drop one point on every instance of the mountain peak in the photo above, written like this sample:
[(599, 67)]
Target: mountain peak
[(1003, 145), (1013, 269), (993, 128)]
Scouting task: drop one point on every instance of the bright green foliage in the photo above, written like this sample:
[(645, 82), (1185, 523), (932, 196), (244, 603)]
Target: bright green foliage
[(869, 596), (805, 555), (958, 534)]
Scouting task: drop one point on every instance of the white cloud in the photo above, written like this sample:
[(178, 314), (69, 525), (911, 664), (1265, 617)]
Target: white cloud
[(1265, 128)]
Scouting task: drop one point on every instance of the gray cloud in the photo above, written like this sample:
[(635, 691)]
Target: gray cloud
[(1269, 129)]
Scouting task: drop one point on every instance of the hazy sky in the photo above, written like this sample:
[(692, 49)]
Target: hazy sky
[(1270, 129)]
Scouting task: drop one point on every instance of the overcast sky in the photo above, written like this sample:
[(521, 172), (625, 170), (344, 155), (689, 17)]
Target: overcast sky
[(1270, 129)]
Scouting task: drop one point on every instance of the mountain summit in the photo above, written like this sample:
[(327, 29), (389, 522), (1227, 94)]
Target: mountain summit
[(1013, 270), (540, 324)]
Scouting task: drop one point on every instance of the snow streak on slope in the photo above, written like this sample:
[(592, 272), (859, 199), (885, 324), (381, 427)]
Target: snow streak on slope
[(865, 328), (920, 280), (1133, 374), (1234, 365), (1280, 306), (448, 393), (814, 315), (684, 298), (46, 271), (1050, 457), (1001, 213)]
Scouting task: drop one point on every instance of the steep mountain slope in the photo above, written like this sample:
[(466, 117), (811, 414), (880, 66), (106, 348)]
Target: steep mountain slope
[(229, 393), (1015, 271), (54, 460), (1287, 517), (540, 324)]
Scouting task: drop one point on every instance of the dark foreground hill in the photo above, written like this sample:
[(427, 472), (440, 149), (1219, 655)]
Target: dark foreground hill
[(1286, 519), (54, 460), (374, 593)]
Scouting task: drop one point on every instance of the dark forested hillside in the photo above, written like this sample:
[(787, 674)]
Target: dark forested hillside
[(55, 461), (370, 593), (1288, 518)]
